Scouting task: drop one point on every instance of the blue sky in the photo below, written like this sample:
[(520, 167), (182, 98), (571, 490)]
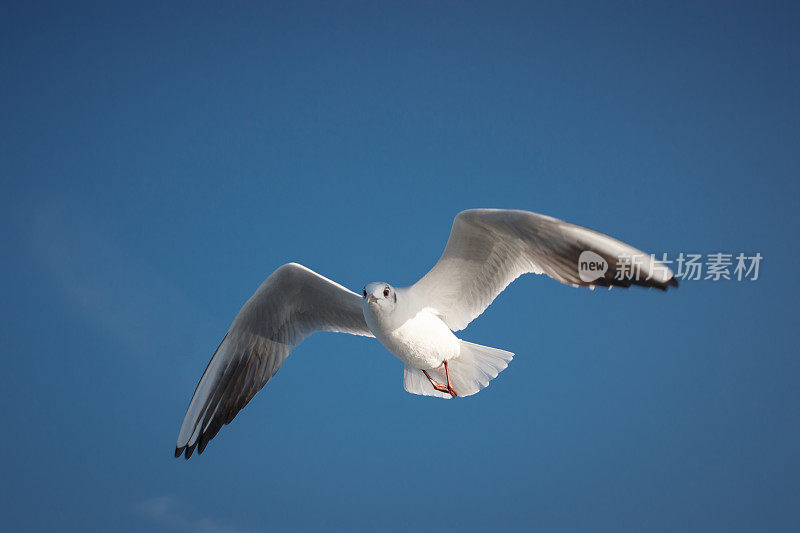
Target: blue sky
[(159, 160)]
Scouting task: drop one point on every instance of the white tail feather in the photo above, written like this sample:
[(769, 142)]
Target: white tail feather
[(470, 371)]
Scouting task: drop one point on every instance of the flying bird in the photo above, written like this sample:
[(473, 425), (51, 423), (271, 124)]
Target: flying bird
[(486, 251)]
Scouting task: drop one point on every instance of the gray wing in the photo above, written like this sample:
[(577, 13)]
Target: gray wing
[(292, 303), (490, 248)]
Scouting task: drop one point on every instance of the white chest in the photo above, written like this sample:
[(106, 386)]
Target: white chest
[(423, 341)]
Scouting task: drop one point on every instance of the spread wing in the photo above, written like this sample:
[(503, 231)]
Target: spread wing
[(292, 303), (490, 248)]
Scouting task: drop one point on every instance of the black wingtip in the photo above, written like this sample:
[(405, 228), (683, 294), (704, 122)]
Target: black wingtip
[(612, 281), (672, 282), (186, 451)]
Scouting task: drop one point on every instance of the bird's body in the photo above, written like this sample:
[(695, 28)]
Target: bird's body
[(486, 251), (422, 341)]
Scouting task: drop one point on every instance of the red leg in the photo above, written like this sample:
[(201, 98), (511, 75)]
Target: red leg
[(440, 386), (436, 385), (450, 388)]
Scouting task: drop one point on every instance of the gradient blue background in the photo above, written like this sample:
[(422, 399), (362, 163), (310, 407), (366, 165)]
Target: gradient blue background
[(160, 159)]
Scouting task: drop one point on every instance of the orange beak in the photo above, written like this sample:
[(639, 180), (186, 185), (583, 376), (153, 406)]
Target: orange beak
[(371, 299)]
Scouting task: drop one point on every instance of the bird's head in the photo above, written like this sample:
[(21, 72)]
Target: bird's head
[(379, 297)]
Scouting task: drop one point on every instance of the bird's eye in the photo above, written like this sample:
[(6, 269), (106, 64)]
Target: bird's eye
[(364, 291), (386, 292)]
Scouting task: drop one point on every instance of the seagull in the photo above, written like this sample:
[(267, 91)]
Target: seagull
[(486, 251)]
